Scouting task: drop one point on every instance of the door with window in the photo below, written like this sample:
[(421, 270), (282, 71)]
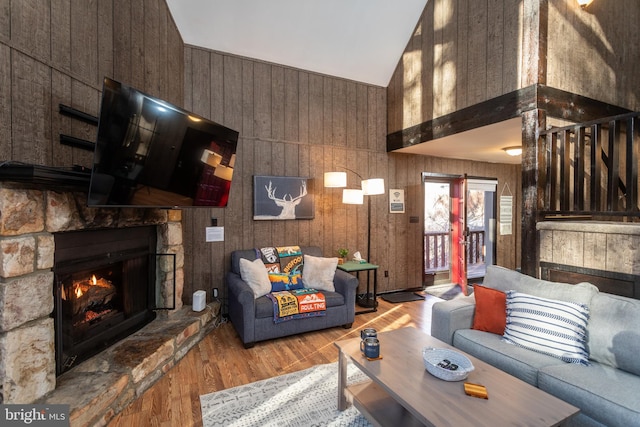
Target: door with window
[(459, 228)]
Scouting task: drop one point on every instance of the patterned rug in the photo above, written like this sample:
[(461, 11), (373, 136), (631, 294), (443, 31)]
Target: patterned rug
[(304, 398)]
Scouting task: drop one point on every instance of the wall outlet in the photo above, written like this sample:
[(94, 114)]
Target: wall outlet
[(215, 292), (386, 273)]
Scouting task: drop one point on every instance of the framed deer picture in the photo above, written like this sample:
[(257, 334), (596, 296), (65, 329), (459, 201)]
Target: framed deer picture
[(282, 197)]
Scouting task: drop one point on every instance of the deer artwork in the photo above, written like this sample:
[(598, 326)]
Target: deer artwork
[(288, 206)]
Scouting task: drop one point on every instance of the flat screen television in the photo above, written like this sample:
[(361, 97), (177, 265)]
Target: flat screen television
[(150, 153)]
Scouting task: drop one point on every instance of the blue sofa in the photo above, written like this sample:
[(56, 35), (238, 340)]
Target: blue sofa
[(252, 317), (606, 391)]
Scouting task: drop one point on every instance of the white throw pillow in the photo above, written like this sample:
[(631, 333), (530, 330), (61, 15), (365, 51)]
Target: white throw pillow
[(318, 273), (553, 327), (255, 274)]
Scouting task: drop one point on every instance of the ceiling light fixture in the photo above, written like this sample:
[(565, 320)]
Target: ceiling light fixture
[(513, 151)]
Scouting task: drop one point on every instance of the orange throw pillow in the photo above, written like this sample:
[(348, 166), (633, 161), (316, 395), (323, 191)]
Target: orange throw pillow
[(491, 310)]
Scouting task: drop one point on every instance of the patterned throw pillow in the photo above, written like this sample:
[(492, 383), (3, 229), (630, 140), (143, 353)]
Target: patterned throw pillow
[(285, 282), (556, 328)]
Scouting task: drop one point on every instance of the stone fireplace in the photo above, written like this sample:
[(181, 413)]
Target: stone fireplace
[(31, 222)]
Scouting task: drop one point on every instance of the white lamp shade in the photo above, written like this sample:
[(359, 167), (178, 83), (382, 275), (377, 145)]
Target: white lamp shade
[(223, 172), (352, 197), (335, 179), (373, 186)]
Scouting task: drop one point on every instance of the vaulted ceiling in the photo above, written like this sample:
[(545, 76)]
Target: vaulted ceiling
[(360, 40)]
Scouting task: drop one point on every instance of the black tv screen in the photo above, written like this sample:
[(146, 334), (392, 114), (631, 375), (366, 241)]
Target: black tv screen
[(150, 153)]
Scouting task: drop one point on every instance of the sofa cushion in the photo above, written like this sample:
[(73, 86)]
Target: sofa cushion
[(491, 310), (504, 279), (614, 338), (514, 360), (600, 391), (318, 272), (255, 275), (548, 326), (264, 306)]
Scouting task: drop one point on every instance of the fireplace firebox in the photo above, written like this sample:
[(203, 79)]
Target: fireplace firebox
[(105, 289)]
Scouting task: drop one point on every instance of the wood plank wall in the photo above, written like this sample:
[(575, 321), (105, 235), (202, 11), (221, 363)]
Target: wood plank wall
[(461, 53), (297, 123), (592, 51), (54, 52)]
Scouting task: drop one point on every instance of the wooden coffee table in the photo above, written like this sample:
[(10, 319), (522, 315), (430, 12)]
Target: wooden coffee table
[(402, 393)]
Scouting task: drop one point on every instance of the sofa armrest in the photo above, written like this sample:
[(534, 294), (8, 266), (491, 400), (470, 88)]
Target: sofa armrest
[(347, 285), (241, 305), (449, 316)]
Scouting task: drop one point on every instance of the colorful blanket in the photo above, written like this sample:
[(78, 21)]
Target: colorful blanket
[(297, 304), (282, 259)]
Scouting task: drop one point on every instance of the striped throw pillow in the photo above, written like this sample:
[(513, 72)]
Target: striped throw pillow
[(556, 328)]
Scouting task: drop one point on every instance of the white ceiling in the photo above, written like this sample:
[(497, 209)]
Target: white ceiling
[(360, 40), (483, 144)]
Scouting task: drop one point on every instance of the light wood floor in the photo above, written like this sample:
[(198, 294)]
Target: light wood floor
[(220, 361)]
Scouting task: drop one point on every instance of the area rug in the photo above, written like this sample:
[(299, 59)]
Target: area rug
[(447, 292), (303, 398), (397, 297)]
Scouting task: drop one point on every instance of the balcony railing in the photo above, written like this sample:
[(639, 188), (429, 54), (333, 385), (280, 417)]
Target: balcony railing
[(437, 250)]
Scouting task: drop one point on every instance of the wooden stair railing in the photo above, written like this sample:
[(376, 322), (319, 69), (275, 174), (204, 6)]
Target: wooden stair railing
[(591, 169)]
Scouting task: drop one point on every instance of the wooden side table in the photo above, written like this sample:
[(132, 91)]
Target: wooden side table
[(357, 267)]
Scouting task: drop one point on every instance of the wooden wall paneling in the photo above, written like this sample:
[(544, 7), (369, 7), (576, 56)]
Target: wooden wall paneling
[(263, 235), (292, 166), (30, 28), (351, 114), (201, 82), (279, 228), (339, 112), (477, 55), (105, 45), (61, 34), (30, 110), (136, 47), (378, 164), (245, 192), (277, 102), (462, 65), (84, 40), (5, 19), (291, 105), (396, 180), (511, 43), (86, 99), (262, 86), (317, 168), (153, 79), (316, 109), (217, 77), (440, 95), (6, 147), (304, 169), (303, 107), (122, 41), (248, 115), (62, 155), (495, 47), (232, 94), (362, 105), (175, 67)]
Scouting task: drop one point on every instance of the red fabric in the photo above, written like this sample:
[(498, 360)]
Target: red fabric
[(491, 310)]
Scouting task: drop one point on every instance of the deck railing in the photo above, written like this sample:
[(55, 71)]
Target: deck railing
[(437, 250)]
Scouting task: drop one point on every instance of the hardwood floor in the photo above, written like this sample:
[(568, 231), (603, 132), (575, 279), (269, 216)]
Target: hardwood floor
[(220, 361)]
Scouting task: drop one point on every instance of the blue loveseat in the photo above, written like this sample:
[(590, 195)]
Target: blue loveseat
[(252, 317)]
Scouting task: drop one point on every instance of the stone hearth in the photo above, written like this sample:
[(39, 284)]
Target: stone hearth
[(28, 219)]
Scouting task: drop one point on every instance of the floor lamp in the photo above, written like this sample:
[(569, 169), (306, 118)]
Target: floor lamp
[(369, 187)]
